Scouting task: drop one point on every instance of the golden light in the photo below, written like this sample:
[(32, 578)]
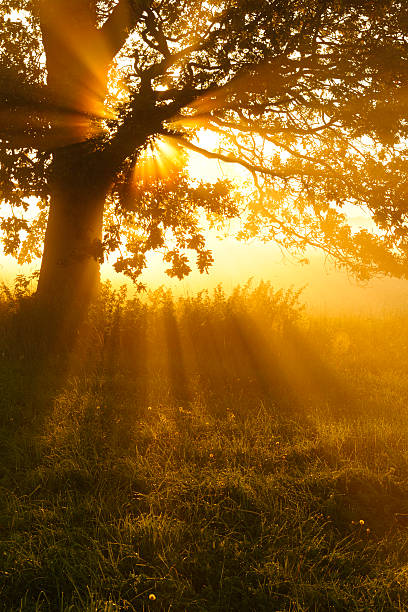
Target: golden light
[(70, 31), (117, 91), (84, 85), (160, 161)]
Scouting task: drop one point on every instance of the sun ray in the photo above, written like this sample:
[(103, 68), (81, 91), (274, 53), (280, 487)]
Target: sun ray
[(160, 161), (84, 86)]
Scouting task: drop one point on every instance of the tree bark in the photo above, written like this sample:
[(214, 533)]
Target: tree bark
[(77, 64), (77, 59), (69, 274)]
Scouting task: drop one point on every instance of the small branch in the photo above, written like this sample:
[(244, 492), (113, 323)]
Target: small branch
[(232, 159)]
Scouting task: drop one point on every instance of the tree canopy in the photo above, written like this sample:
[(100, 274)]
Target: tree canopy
[(311, 98)]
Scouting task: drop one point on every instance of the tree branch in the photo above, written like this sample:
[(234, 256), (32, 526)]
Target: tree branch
[(122, 20), (232, 159)]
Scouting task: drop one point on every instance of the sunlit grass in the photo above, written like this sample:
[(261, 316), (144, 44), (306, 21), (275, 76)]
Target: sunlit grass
[(210, 453)]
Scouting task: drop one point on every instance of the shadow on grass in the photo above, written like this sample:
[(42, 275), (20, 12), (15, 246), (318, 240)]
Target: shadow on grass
[(172, 454), (230, 354)]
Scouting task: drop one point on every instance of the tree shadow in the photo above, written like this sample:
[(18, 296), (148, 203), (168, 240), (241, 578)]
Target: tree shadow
[(280, 368), (176, 366), (239, 360)]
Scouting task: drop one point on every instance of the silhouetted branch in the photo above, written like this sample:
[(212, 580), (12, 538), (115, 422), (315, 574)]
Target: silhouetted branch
[(121, 22)]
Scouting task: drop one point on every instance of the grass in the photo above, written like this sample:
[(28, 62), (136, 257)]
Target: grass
[(206, 454)]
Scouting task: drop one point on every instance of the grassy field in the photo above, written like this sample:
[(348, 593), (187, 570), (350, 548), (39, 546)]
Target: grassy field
[(205, 454)]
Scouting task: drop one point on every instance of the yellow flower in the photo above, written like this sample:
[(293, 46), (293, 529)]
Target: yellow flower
[(152, 597), (211, 455), (361, 522)]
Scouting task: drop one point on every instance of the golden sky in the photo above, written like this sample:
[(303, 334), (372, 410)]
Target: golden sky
[(326, 289)]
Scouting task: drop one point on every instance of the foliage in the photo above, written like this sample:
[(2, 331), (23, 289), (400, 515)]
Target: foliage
[(309, 97)]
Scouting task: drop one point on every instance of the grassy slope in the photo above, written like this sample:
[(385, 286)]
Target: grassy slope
[(208, 455)]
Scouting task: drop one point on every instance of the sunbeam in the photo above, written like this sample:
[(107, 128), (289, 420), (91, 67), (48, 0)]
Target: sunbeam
[(161, 160)]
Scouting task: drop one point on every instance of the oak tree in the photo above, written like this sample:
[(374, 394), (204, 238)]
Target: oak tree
[(101, 100)]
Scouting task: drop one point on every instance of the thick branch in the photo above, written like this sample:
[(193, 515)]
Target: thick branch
[(140, 125), (121, 22), (143, 122)]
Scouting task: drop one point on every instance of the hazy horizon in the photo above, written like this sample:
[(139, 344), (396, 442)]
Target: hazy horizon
[(325, 287)]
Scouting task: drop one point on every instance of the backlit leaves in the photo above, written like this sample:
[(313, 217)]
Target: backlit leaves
[(310, 97)]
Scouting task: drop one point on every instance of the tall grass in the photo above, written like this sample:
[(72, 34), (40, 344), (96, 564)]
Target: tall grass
[(205, 453)]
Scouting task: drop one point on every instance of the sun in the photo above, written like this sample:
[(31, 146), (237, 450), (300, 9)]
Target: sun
[(160, 161)]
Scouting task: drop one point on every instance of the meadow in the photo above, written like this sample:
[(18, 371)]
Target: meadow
[(209, 453)]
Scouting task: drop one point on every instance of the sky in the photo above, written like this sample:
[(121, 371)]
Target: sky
[(326, 289)]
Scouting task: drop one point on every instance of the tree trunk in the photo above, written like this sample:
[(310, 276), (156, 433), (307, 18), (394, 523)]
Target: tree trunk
[(78, 55), (69, 273)]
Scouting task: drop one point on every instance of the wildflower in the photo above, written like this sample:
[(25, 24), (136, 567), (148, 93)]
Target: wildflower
[(277, 443), (149, 407), (211, 455), (361, 522), (152, 597), (368, 530)]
